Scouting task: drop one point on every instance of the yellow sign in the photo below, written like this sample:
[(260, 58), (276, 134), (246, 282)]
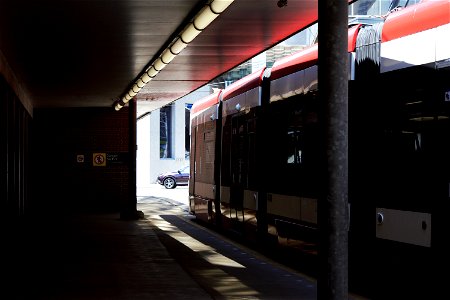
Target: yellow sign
[(99, 159)]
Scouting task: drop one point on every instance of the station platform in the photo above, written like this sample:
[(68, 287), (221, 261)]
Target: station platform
[(162, 256)]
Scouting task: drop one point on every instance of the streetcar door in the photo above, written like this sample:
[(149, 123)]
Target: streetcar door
[(238, 170)]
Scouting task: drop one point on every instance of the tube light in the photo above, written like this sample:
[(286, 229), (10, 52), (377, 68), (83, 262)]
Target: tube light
[(205, 17), (136, 89), (152, 72), (119, 105), (145, 77), (159, 65), (178, 46), (189, 34), (219, 6), (167, 56), (140, 83), (132, 93)]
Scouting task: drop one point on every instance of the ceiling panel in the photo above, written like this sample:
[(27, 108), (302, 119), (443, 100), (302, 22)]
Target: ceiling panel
[(86, 53)]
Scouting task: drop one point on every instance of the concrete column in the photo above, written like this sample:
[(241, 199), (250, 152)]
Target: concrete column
[(333, 96), (129, 210)]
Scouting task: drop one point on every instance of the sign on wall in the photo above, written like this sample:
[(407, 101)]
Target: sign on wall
[(116, 157), (99, 159)]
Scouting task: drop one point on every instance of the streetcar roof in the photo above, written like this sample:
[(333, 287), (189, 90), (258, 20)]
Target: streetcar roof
[(416, 18), (206, 102), (307, 57), (244, 84)]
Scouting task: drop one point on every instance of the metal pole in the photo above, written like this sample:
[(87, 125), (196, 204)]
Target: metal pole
[(333, 96)]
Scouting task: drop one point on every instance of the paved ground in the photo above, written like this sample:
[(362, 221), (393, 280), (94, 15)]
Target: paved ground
[(223, 268), (166, 255), (179, 194), (91, 256)]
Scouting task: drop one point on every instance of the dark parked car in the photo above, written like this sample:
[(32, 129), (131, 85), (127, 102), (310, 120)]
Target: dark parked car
[(170, 180)]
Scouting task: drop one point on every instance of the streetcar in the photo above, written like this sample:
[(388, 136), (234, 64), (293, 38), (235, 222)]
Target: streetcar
[(255, 151)]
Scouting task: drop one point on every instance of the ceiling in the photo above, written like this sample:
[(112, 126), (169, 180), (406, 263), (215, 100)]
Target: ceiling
[(88, 53)]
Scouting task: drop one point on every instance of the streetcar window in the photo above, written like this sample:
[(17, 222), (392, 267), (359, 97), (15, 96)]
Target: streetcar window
[(294, 151)]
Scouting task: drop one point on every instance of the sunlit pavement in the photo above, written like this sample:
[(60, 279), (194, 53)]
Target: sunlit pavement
[(223, 268), (179, 194)]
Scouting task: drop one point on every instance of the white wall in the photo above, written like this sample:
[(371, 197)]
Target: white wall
[(149, 164), (143, 149)]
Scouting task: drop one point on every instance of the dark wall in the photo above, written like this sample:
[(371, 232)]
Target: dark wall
[(15, 131), (66, 177)]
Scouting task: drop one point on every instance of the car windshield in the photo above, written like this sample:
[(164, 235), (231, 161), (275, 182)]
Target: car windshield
[(184, 169)]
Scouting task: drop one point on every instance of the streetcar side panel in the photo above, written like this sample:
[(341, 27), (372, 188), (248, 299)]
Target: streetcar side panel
[(202, 185), (294, 145), (399, 125)]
